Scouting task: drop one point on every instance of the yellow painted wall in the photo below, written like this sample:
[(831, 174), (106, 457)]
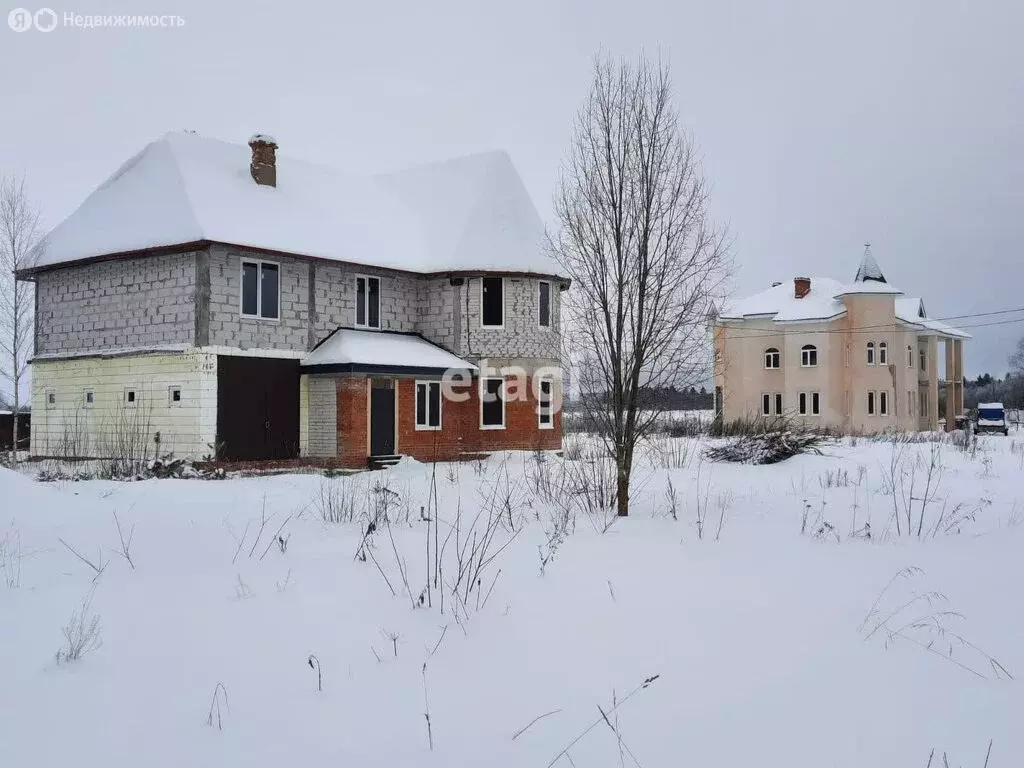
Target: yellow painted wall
[(72, 426)]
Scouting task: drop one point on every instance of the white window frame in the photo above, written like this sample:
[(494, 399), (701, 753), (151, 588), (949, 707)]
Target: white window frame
[(504, 293), (259, 289), (883, 402), (551, 397), (483, 393), (425, 425), (805, 356), (86, 402), (883, 353), (780, 406), (872, 402), (805, 404), (171, 402), (365, 325), (47, 395), (923, 359), (135, 397), (778, 358), (539, 289), (766, 397), (910, 356), (871, 353)]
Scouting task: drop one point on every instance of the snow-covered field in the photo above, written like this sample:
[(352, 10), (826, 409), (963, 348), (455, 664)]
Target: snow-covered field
[(776, 630)]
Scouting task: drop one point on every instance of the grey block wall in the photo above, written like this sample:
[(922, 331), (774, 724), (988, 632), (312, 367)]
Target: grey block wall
[(522, 336), (146, 301), (228, 328), (194, 298)]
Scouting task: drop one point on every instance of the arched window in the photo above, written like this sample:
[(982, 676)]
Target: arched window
[(771, 358), (808, 356), (910, 356), (883, 353), (871, 353)]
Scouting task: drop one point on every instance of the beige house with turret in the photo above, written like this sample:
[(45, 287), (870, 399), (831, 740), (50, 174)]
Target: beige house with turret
[(858, 357)]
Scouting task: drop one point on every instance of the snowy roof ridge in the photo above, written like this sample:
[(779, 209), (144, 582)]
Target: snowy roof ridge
[(470, 213)]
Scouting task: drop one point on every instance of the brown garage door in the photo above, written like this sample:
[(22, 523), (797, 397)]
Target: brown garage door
[(257, 408)]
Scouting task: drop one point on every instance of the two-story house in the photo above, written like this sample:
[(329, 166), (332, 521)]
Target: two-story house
[(214, 298), (855, 357)]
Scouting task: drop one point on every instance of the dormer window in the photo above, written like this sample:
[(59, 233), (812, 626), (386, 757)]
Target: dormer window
[(772, 359), (808, 356), (871, 353)]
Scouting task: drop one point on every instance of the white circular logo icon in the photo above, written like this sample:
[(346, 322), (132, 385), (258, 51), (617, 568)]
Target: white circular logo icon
[(20, 20), (45, 19)]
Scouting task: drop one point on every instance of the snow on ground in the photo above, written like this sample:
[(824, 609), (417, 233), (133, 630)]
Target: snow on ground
[(772, 646)]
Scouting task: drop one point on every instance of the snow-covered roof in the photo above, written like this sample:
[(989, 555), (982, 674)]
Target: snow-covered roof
[(824, 301), (868, 269), (990, 405), (353, 350), (912, 311), (879, 287), (780, 303), (471, 213)]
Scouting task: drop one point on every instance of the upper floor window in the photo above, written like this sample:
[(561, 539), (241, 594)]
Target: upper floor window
[(871, 353), (883, 353), (921, 358), (808, 356), (492, 302), (261, 289), (771, 358), (544, 304), (367, 302), (910, 356)]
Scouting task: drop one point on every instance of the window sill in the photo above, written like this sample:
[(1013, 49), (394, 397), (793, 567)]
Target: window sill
[(423, 428), (261, 319), (545, 426), (492, 426)]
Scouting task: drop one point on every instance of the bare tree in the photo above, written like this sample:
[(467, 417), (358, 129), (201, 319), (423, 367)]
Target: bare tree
[(645, 258), (1017, 360), (19, 236)]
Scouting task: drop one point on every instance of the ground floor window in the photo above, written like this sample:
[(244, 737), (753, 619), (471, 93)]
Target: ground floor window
[(428, 405), (883, 403), (810, 403), (544, 420), (871, 403), (492, 403), (766, 404)]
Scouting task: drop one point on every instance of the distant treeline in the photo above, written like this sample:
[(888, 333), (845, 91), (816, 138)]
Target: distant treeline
[(988, 389), (662, 399)]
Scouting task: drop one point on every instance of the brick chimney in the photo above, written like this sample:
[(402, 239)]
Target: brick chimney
[(801, 286), (264, 159)]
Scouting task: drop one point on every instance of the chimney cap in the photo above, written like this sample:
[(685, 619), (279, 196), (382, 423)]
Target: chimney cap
[(776, 284), (262, 138)]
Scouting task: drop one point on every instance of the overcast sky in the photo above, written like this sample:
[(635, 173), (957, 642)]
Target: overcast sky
[(821, 126)]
